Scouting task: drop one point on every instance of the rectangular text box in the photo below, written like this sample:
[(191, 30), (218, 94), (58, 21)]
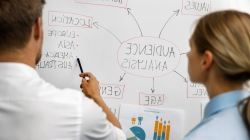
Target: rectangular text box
[(111, 91), (151, 99), (66, 19), (196, 7), (112, 3), (195, 90)]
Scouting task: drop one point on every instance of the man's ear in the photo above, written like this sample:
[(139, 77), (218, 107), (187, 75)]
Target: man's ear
[(37, 28), (207, 61)]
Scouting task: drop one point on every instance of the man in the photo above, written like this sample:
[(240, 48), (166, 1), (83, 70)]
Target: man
[(32, 109)]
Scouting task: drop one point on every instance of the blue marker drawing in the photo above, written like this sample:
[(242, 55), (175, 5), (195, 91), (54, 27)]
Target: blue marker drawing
[(156, 128), (140, 119), (163, 132)]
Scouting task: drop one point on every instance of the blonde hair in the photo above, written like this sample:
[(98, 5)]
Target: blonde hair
[(227, 35)]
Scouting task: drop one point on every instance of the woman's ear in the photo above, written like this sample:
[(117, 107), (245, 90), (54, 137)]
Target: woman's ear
[(207, 60)]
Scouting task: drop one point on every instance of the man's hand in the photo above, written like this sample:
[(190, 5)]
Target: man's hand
[(90, 87)]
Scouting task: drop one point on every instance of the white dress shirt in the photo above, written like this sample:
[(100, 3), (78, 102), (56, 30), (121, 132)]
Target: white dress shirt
[(32, 109)]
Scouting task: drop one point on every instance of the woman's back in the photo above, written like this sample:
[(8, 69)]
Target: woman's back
[(222, 119)]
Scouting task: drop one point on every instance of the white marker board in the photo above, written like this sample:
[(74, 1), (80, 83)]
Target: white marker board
[(136, 49)]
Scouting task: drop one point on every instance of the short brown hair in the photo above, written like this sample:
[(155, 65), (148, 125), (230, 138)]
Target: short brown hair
[(17, 18)]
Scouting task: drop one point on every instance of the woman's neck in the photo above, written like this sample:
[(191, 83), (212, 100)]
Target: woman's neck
[(216, 86)]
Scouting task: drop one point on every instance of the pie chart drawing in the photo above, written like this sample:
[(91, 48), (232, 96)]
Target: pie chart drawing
[(136, 133)]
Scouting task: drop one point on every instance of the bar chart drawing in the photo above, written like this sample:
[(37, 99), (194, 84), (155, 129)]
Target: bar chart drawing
[(140, 119), (133, 120), (161, 132), (147, 123)]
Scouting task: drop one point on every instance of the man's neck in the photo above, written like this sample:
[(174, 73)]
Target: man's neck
[(17, 57)]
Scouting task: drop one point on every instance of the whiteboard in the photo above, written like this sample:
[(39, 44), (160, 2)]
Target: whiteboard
[(136, 49)]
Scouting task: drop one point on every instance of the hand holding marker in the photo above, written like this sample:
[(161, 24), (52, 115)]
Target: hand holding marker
[(79, 63), (89, 87)]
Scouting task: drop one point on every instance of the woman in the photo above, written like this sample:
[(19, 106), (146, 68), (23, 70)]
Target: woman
[(220, 59)]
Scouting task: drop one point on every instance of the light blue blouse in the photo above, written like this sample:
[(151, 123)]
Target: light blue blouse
[(222, 120)]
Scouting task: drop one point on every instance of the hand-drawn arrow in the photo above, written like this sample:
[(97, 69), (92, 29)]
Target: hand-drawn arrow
[(128, 9), (121, 77), (97, 25), (175, 12), (185, 80), (153, 90)]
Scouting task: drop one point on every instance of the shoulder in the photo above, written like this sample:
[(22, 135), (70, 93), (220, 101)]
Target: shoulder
[(226, 125), (72, 96), (48, 92)]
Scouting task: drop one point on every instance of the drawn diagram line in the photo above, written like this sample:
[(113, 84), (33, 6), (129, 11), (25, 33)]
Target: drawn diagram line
[(96, 25), (128, 9), (175, 12), (181, 76), (153, 90), (121, 78)]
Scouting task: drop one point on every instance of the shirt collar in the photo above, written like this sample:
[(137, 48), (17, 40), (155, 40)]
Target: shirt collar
[(17, 69), (224, 101)]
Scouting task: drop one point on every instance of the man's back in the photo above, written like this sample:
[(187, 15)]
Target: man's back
[(31, 108)]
